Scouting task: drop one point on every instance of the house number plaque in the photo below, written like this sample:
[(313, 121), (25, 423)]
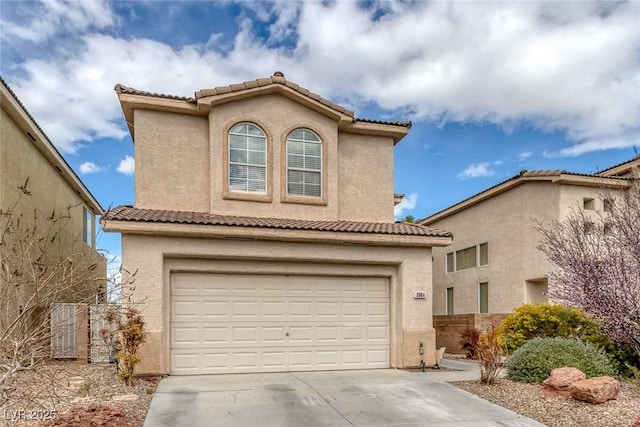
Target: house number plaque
[(420, 295)]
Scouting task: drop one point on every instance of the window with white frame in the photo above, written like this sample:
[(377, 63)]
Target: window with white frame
[(474, 256), (483, 297), (304, 164), (87, 229), (450, 300), (247, 159)]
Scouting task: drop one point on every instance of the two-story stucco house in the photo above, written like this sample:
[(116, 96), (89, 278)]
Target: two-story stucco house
[(52, 190), (263, 235), (494, 265)]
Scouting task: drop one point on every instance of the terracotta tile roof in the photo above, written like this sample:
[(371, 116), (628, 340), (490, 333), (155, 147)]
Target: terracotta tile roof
[(398, 195), (126, 89), (523, 174), (128, 213), (404, 123), (276, 78)]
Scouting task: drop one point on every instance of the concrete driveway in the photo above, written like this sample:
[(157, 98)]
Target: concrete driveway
[(385, 397)]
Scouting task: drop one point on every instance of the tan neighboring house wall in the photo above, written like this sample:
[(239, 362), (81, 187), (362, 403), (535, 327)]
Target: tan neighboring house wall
[(26, 153), (504, 217), (186, 223)]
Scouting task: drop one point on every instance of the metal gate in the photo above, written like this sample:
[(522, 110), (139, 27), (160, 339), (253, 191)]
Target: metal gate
[(63, 331)]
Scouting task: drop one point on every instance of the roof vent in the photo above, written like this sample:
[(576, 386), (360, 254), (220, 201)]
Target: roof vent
[(278, 74)]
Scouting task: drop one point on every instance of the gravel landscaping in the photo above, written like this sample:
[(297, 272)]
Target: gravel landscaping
[(73, 394), (534, 401)]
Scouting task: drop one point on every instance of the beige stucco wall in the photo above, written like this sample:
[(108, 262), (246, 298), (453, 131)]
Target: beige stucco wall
[(49, 193), (365, 178), (171, 157), (506, 223), (408, 270), (184, 157), (517, 269)]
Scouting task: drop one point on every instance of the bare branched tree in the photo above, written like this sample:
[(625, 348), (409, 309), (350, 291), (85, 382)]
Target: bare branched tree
[(598, 260), (40, 264)]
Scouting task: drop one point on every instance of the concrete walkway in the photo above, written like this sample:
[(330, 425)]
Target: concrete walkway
[(385, 397)]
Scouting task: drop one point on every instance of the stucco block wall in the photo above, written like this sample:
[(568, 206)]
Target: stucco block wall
[(154, 258), (172, 161), (506, 223), (449, 328)]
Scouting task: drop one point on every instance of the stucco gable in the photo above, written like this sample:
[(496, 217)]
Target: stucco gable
[(553, 176), (205, 99)]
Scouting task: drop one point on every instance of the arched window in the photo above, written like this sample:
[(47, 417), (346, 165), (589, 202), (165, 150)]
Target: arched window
[(247, 159), (304, 164)]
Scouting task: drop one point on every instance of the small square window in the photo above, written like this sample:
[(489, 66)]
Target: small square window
[(450, 266)]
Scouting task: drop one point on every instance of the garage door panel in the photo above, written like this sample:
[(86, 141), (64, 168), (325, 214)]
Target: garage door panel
[(251, 323)]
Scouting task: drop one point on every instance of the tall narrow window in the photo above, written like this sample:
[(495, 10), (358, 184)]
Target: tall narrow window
[(87, 229), (449, 300), (484, 254), (450, 265), (247, 159), (483, 297), (304, 164)]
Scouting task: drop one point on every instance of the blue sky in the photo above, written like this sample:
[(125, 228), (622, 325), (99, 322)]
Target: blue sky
[(491, 87)]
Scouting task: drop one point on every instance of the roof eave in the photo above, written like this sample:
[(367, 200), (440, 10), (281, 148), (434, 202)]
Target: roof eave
[(396, 132), (17, 112), (562, 178), (259, 233), (206, 102), (130, 102)]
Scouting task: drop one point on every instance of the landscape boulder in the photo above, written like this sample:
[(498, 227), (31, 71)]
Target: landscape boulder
[(595, 390), (562, 378)]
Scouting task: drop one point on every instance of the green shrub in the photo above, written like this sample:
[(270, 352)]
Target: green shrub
[(469, 341), (546, 320), (534, 361)]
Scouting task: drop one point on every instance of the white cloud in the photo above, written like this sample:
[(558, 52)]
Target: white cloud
[(498, 162), (51, 17), (408, 203), (478, 170), (127, 165), (524, 156), (536, 63), (90, 167)]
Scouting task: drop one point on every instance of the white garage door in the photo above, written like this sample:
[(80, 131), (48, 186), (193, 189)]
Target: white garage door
[(223, 323)]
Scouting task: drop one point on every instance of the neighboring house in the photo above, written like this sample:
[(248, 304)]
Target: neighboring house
[(53, 190), (263, 236), (494, 265)]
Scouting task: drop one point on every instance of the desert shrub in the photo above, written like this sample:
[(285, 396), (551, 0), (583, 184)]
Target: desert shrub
[(469, 341), (490, 352), (132, 335), (546, 320), (534, 361)]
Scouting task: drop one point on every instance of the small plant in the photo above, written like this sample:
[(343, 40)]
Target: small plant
[(490, 352), (149, 390), (469, 341), (534, 361), (132, 334), (84, 389), (547, 320)]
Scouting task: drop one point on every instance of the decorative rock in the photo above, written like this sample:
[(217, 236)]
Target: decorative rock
[(595, 390), (125, 397), (562, 378)]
